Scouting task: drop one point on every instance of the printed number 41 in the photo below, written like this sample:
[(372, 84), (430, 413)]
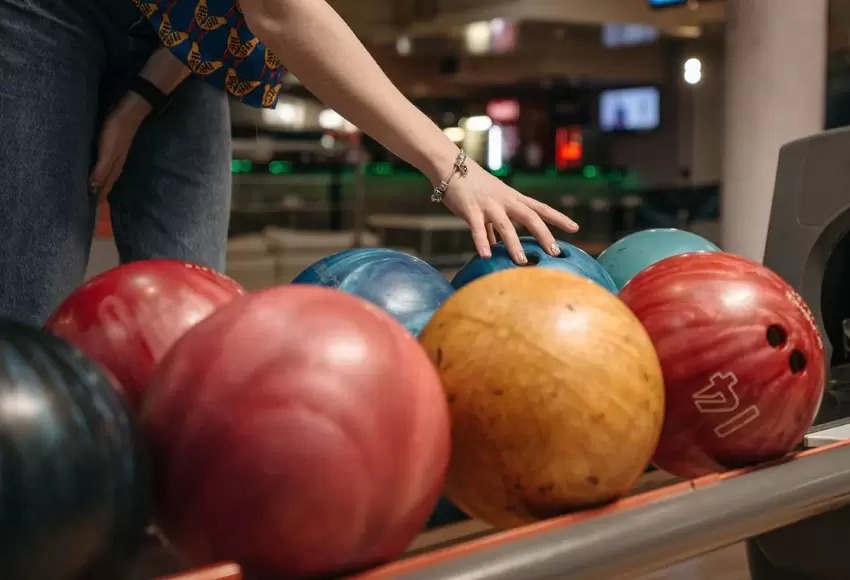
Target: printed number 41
[(719, 396)]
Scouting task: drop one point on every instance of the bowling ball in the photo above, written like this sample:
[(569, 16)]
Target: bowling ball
[(635, 252), (313, 443), (406, 287), (445, 514), (555, 394), (74, 481), (742, 358), (127, 318), (572, 259)]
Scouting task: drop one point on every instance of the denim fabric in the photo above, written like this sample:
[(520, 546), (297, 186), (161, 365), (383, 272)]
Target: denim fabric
[(63, 65)]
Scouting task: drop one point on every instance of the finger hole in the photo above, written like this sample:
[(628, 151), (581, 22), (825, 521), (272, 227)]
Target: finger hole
[(533, 222)]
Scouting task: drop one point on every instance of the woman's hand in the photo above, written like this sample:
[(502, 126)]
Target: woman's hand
[(490, 207), (116, 138), (165, 72)]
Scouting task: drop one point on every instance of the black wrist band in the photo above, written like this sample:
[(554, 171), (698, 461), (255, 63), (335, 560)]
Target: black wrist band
[(151, 93)]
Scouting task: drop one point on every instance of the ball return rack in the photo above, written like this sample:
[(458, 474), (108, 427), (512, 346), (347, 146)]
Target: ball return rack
[(794, 513)]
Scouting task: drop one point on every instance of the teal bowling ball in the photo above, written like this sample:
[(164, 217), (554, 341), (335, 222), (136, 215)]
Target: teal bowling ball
[(407, 288), (445, 514), (640, 250), (572, 259)]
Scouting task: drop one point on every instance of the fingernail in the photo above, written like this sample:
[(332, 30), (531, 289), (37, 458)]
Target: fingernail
[(575, 227), (521, 258), (555, 249), (487, 253)]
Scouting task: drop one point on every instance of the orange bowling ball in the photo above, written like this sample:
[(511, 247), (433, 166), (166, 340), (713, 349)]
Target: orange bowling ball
[(555, 394)]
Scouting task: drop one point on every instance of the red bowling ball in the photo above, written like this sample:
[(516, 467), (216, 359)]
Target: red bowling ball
[(299, 431), (742, 358), (127, 318)]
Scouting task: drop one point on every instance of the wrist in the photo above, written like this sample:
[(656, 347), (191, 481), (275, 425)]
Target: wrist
[(439, 161), (133, 106)]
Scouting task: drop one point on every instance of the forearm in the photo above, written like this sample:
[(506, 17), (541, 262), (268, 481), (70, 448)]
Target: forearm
[(322, 51), (165, 71)]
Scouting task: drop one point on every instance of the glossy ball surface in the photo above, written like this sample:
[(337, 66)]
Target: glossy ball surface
[(128, 317), (743, 360), (407, 288), (74, 481), (573, 260), (555, 394), (299, 431), (640, 250)]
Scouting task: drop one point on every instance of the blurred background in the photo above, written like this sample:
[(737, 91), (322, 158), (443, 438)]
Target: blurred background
[(613, 111)]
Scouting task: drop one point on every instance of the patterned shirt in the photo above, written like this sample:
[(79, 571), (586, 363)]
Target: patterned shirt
[(212, 39)]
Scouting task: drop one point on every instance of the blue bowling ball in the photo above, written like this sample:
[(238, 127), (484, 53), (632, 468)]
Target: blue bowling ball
[(404, 286), (640, 250), (572, 260)]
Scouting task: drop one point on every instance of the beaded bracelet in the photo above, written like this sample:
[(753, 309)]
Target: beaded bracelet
[(458, 167)]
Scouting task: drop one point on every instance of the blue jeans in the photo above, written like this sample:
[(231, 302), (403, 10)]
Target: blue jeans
[(63, 65)]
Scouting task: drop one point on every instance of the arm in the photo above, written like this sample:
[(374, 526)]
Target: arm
[(340, 72), (322, 51), (166, 73)]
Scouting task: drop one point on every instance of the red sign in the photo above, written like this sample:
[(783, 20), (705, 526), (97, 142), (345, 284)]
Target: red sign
[(503, 111), (569, 149)]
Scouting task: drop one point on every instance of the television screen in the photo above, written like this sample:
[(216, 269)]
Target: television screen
[(632, 109), (674, 3), (665, 3), (616, 35)]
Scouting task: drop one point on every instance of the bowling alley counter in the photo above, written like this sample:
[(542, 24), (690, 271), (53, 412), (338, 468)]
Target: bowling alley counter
[(663, 522)]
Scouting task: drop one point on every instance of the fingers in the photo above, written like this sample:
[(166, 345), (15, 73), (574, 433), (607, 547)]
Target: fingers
[(491, 235), (535, 225), (480, 236), (505, 228), (114, 174), (110, 164), (550, 215), (101, 173), (103, 181)]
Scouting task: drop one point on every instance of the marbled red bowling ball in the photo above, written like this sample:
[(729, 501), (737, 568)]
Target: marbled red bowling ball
[(128, 317), (299, 431), (742, 358)]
